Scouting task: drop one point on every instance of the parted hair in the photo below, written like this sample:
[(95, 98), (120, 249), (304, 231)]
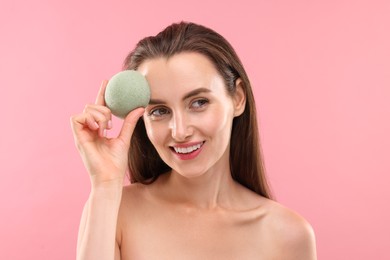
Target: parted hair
[(246, 160)]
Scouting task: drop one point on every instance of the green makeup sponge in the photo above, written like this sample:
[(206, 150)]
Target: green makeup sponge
[(126, 91)]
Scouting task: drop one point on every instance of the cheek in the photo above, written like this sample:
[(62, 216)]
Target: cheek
[(218, 121), (152, 131)]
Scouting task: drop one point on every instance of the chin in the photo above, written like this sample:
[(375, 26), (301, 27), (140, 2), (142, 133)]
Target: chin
[(189, 174)]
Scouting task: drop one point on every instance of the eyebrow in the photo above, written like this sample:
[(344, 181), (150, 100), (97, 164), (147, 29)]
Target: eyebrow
[(186, 96)]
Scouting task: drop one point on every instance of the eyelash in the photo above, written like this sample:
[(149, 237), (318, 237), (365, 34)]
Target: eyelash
[(203, 102), (151, 113)]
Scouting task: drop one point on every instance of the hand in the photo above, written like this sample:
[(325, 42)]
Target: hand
[(106, 159)]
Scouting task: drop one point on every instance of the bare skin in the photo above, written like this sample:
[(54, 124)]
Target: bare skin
[(195, 211), (153, 225)]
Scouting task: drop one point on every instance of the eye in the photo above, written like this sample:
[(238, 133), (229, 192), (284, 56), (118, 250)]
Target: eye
[(158, 112), (199, 103)]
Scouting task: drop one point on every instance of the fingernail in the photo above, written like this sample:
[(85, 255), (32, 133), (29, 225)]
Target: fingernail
[(105, 132), (97, 125)]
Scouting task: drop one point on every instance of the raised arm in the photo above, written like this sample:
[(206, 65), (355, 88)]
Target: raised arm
[(106, 162)]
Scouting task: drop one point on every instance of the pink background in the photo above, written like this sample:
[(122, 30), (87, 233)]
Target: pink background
[(321, 75)]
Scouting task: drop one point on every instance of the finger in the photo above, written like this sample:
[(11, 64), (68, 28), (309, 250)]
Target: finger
[(76, 127), (81, 124), (91, 123), (102, 109), (96, 117), (129, 124), (81, 121), (75, 123), (92, 108), (100, 96)]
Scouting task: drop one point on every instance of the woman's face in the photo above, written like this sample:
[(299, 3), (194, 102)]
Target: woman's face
[(189, 117)]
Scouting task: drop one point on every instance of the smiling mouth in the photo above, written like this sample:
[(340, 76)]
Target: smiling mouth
[(187, 150)]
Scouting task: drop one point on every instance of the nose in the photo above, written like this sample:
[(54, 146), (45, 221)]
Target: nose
[(180, 127)]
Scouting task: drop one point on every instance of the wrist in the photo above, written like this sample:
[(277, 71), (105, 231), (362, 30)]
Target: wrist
[(111, 190)]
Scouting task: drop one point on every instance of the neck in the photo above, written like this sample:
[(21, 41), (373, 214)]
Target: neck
[(213, 189)]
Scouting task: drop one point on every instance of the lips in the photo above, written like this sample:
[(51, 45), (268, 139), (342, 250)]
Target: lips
[(187, 151)]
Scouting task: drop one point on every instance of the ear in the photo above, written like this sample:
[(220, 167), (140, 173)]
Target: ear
[(239, 98)]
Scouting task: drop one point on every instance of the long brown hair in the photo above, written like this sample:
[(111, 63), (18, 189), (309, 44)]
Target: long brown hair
[(246, 162)]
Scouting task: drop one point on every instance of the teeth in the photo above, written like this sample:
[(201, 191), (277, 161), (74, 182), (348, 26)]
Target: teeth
[(187, 149)]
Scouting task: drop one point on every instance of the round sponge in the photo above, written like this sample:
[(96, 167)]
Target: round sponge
[(126, 91)]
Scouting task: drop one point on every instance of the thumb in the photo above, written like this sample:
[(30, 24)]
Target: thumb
[(129, 124)]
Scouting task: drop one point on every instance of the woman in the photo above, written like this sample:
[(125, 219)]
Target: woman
[(198, 185)]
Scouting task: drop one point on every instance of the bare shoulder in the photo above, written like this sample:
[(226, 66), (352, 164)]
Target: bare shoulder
[(139, 197), (135, 194), (280, 231), (291, 236), (133, 203), (134, 189)]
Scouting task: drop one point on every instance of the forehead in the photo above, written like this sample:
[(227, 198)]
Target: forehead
[(188, 69)]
